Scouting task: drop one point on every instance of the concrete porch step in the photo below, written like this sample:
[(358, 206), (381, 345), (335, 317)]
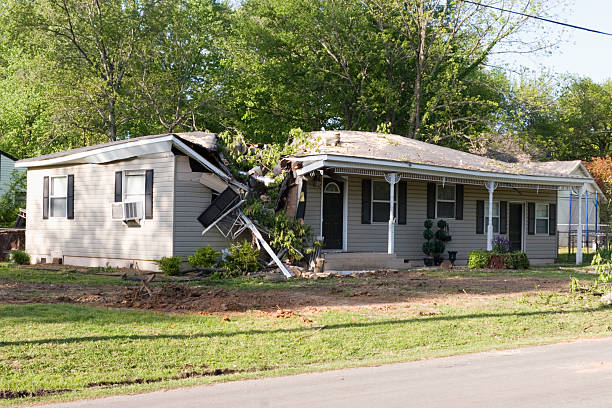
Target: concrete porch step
[(359, 261)]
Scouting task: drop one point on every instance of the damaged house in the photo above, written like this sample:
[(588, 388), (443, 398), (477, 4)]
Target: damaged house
[(366, 197), (130, 202)]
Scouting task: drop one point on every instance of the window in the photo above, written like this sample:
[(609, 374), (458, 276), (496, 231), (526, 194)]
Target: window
[(495, 217), (541, 213), (58, 196), (445, 201), (332, 188), (134, 185), (380, 201)]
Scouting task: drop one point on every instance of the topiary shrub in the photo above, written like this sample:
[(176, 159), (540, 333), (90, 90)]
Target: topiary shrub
[(170, 265), (20, 257), (479, 259), (242, 259), (516, 260), (204, 257)]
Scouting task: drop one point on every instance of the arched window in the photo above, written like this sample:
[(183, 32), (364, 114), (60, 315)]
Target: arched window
[(332, 188)]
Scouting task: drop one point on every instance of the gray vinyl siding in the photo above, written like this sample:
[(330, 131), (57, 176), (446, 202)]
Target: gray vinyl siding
[(312, 214), (191, 198), (92, 232), (409, 238), (6, 169)]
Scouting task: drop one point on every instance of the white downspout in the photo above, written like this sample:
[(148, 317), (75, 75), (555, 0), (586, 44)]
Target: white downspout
[(491, 186), (392, 179), (579, 230)]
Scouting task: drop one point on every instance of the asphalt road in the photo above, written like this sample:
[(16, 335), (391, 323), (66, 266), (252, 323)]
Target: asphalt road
[(575, 374)]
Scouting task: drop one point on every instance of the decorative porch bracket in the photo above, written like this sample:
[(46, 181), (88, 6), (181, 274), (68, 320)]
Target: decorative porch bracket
[(491, 186), (392, 179)]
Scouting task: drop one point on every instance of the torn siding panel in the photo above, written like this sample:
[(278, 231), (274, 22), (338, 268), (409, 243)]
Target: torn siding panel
[(92, 233), (190, 199)]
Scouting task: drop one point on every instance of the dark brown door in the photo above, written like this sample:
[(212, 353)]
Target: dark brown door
[(333, 199), (515, 227)]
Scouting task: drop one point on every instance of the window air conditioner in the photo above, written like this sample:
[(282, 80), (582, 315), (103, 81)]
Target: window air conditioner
[(127, 211)]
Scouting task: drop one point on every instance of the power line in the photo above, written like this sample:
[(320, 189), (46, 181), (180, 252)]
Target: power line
[(539, 18)]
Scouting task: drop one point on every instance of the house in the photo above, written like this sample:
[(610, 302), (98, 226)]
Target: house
[(7, 165), (348, 180), (125, 203), (568, 209)]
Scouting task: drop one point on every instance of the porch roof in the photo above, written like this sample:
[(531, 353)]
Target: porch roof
[(375, 154)]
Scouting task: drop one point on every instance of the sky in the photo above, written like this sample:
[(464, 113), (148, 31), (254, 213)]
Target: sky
[(580, 52)]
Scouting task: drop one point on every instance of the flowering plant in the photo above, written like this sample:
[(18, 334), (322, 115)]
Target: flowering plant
[(501, 245)]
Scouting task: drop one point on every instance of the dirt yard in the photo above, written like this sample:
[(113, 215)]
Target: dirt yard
[(381, 290)]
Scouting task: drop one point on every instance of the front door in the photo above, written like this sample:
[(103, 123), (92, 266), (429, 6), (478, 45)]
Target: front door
[(333, 199), (515, 227)]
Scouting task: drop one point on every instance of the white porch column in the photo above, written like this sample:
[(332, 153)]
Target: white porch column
[(392, 179), (579, 230), (491, 186)]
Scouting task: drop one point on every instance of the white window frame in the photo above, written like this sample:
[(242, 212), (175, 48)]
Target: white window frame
[(52, 196), (139, 172), (372, 201), (542, 218), (486, 217), (454, 201)]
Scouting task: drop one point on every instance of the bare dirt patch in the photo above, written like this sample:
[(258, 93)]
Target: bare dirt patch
[(380, 291)]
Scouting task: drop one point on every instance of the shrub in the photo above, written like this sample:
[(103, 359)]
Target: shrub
[(516, 260), (479, 259), (20, 257), (170, 265), (501, 245), (496, 262), (242, 259), (204, 257)]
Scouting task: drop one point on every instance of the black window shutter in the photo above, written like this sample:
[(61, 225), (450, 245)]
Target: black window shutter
[(366, 203), (552, 219), (301, 207), (480, 217), (530, 218), (70, 198), (503, 217), (118, 186), (45, 197), (459, 202), (401, 203), (149, 195), (431, 200)]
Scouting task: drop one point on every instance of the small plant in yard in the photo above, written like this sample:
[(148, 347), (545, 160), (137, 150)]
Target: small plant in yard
[(479, 259), (170, 265), (515, 260), (204, 257), (20, 257), (242, 259), (428, 245), (501, 245)]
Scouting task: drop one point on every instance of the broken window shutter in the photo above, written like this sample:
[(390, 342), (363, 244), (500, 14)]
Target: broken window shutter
[(149, 195), (301, 207), (118, 186), (45, 203), (552, 219), (459, 202), (366, 203), (401, 203), (70, 198), (431, 200), (503, 217), (530, 218), (480, 217)]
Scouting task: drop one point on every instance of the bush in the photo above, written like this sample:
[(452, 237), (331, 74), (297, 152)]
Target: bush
[(20, 257), (170, 265), (479, 259), (204, 257), (516, 260), (242, 259), (501, 245)]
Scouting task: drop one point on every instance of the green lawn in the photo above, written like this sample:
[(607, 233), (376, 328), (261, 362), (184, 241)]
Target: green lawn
[(11, 274), (88, 351)]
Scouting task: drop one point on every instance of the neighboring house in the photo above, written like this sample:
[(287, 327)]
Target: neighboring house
[(347, 193), (7, 165), (124, 203)]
